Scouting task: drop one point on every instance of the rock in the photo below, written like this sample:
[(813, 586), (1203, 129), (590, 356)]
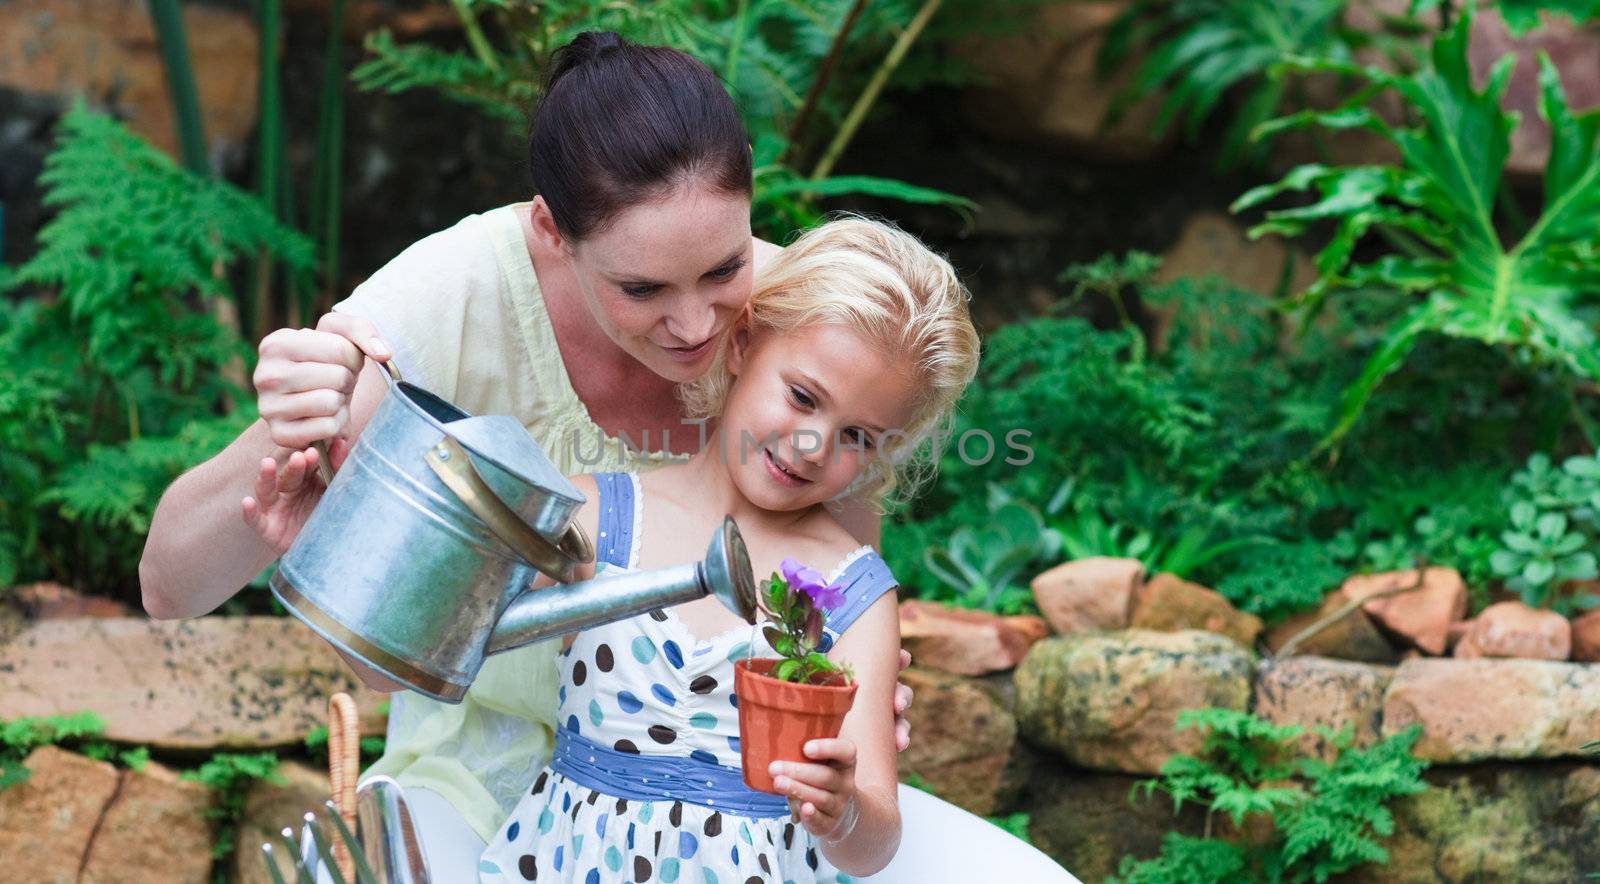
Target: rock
[(1512, 629), (155, 830), (46, 823), (1311, 691), (1109, 701), (212, 682), (1169, 603), (962, 641), (1477, 709), (108, 52), (1031, 628), (1502, 824), (1421, 616), (1586, 637), (1089, 821), (52, 601), (964, 742), (1213, 244), (1092, 593), (1039, 84), (1574, 50), (1352, 637), (268, 807)]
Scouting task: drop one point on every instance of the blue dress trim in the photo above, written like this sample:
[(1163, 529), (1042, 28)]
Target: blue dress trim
[(660, 778)]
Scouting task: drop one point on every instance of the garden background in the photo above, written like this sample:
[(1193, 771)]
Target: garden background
[(1296, 300)]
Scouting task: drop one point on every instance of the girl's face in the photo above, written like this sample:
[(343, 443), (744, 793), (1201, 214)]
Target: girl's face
[(807, 411), (666, 279)]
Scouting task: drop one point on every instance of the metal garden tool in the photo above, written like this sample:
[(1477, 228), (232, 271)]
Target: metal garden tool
[(383, 848)]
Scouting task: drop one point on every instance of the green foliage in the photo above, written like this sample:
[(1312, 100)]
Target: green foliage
[(769, 52), (21, 736), (113, 374), (231, 774), (1553, 532), (1185, 860), (1441, 214), (1326, 817), (980, 566), (1078, 529), (795, 620), (1198, 51), (1281, 577), (1523, 15), (1186, 446)]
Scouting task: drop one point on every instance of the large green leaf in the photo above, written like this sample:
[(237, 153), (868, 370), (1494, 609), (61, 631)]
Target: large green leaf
[(1200, 50), (1523, 15), (1437, 212)]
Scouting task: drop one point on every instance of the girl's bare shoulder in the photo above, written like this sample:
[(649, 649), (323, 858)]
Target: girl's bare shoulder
[(822, 542)]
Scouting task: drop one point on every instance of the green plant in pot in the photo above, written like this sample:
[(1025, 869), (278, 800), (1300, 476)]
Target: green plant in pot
[(800, 695)]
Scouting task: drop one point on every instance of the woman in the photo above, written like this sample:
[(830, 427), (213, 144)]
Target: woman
[(578, 312)]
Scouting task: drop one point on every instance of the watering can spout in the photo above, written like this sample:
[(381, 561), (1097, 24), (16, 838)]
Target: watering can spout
[(544, 613)]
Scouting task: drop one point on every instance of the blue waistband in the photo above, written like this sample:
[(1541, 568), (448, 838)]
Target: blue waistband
[(660, 778)]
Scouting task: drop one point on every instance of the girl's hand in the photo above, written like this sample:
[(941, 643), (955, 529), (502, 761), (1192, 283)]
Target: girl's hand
[(821, 795)]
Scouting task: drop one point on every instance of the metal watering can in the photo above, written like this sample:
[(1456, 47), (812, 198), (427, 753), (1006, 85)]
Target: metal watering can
[(418, 558)]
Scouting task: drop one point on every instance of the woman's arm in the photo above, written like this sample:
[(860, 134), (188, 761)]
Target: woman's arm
[(200, 550), (847, 797)]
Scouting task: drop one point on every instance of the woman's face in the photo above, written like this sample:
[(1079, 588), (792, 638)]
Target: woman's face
[(807, 411), (665, 279)]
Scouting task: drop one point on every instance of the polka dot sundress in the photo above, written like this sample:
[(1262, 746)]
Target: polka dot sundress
[(645, 783)]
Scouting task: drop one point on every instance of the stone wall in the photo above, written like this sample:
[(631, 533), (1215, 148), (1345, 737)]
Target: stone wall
[(1512, 800), (1063, 736)]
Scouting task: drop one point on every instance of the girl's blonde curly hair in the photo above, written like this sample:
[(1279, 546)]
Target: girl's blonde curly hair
[(885, 284)]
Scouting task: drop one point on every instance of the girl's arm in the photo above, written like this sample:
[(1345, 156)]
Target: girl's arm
[(847, 797)]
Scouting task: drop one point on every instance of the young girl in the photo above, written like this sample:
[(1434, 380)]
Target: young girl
[(855, 346)]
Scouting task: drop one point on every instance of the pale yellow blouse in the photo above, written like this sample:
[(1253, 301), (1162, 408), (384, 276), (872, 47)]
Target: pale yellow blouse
[(464, 315)]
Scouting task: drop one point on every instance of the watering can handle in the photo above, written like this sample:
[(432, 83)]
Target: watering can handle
[(324, 463), (559, 561)]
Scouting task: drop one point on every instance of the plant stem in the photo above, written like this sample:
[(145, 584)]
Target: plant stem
[(824, 72), (168, 20), (1299, 638), (869, 95), (740, 18), (475, 38), (326, 168), (269, 153)]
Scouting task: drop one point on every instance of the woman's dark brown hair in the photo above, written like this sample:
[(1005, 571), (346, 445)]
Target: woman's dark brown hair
[(621, 124)]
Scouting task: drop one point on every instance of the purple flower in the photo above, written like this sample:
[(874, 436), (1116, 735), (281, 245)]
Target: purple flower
[(824, 595), (799, 577)]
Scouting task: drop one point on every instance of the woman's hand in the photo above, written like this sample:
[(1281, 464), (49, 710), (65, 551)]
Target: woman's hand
[(305, 382), (822, 795), (287, 490), (306, 378)]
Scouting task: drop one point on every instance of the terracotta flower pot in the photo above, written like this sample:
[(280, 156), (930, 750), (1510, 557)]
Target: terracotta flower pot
[(776, 718)]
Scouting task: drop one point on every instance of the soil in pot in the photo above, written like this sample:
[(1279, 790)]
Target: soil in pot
[(776, 718)]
